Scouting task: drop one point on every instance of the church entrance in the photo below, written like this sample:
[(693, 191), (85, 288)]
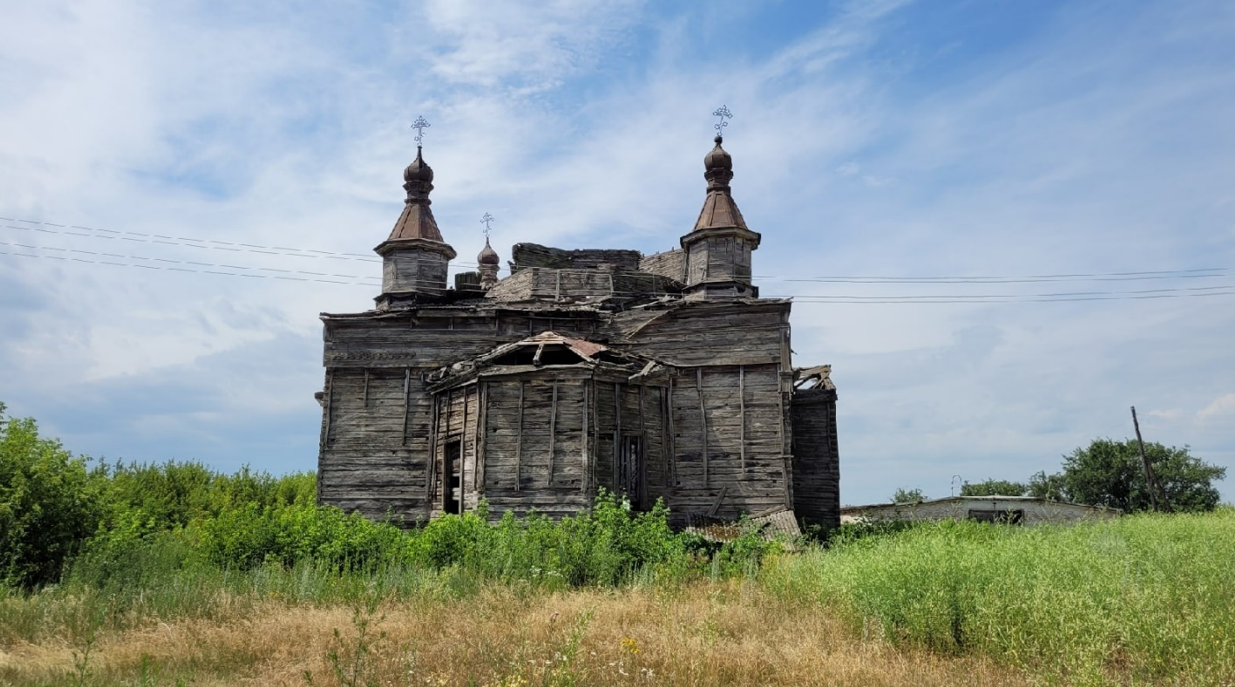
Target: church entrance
[(453, 496), (630, 470)]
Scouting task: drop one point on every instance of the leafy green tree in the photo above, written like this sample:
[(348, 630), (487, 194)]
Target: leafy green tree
[(902, 495), (1110, 473), (48, 504), (1044, 486), (994, 487)]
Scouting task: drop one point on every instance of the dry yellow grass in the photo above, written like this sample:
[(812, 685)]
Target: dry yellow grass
[(704, 634)]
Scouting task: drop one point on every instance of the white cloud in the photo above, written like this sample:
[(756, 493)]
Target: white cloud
[(1221, 408), (290, 128)]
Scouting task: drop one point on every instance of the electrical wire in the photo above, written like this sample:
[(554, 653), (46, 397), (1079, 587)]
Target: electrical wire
[(213, 244), (830, 299)]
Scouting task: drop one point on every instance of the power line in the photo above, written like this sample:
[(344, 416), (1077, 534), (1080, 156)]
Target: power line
[(834, 299), (213, 244)]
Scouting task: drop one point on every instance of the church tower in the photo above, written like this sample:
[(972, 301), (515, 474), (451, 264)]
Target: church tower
[(718, 249), (414, 257)]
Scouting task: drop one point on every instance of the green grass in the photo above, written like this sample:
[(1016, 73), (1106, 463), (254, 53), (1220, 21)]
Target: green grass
[(1149, 598)]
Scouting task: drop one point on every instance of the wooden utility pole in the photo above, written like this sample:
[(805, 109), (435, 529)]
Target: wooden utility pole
[(1151, 480)]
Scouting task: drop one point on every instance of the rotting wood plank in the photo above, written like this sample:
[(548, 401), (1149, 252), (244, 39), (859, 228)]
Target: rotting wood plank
[(583, 436), (407, 400), (742, 412), (329, 407), (519, 438), (463, 455), (673, 447), (479, 439), (431, 461), (703, 421), (643, 443), (366, 388), (617, 432), (552, 433)]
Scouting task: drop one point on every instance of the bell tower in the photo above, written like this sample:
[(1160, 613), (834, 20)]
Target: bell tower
[(414, 257), (718, 250)]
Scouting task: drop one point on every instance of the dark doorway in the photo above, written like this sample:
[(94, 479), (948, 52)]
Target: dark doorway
[(453, 498), (630, 470)]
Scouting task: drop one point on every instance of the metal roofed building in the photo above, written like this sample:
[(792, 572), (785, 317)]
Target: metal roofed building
[(656, 377)]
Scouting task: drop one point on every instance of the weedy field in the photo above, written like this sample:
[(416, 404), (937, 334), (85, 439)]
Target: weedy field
[(176, 574), (1141, 600)]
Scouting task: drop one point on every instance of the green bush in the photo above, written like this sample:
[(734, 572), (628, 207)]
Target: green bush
[(48, 504), (249, 536)]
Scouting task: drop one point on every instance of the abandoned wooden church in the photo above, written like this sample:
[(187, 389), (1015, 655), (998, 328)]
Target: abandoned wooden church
[(658, 377)]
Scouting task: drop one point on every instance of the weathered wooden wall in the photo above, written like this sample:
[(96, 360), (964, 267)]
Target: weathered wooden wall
[(535, 255), (538, 442), (540, 283), (671, 264), (716, 435), (375, 449), (816, 457)]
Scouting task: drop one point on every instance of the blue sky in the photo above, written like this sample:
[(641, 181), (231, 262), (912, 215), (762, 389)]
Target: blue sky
[(902, 140)]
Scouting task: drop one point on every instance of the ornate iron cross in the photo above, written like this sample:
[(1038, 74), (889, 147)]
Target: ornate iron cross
[(487, 220), (420, 125), (723, 113)]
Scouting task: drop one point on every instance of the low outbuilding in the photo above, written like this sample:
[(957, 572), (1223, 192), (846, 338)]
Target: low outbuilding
[(1012, 510)]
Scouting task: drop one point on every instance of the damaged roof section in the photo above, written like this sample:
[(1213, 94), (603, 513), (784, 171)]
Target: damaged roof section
[(547, 350)]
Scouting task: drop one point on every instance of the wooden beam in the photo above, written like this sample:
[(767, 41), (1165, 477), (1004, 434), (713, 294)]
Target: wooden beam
[(463, 456), (431, 463), (482, 434), (519, 438), (617, 432), (703, 421), (673, 440), (643, 446), (664, 439), (407, 400), (329, 407), (742, 414), (366, 388), (552, 436), (583, 437)]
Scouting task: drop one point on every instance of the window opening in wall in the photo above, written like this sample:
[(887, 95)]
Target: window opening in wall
[(630, 469), (453, 496), (1004, 517)]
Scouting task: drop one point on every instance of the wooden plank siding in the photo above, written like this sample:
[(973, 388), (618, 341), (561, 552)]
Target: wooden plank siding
[(718, 425), (816, 457)]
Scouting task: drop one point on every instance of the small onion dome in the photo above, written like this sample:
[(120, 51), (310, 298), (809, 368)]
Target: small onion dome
[(717, 158), (419, 170), (488, 256)]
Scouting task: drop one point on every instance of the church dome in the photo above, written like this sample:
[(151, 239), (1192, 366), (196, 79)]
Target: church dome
[(718, 158), (419, 170), (488, 256)]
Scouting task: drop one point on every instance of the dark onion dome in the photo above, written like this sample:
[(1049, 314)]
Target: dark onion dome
[(488, 256), (419, 170), (718, 158)]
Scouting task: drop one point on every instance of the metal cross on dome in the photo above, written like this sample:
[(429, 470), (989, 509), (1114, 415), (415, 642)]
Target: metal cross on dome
[(420, 125), (723, 113), (487, 220)]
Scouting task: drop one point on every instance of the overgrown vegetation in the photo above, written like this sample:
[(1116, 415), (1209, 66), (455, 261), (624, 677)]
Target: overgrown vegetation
[(95, 553), (1150, 598)]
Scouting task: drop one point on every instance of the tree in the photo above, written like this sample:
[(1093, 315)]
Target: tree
[(903, 495), (994, 487), (48, 507), (1110, 473)]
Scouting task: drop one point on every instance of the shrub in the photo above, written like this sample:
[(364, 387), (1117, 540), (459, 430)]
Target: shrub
[(48, 507)]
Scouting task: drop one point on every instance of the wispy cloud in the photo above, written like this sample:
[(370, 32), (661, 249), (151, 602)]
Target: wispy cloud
[(869, 140)]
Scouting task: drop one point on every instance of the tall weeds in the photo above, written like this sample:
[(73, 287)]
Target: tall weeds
[(1151, 598)]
